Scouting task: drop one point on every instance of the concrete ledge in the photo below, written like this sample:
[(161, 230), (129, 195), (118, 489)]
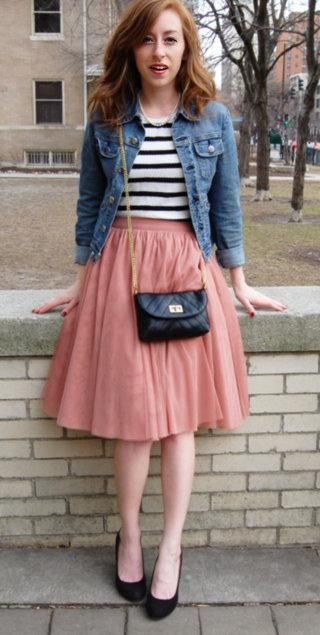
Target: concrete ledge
[(298, 329), (23, 333)]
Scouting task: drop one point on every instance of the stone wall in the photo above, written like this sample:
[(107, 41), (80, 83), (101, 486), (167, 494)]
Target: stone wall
[(256, 485)]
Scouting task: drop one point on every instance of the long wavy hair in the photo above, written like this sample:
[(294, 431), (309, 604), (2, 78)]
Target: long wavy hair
[(120, 83)]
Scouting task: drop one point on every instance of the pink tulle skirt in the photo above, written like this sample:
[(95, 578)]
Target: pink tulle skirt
[(104, 380)]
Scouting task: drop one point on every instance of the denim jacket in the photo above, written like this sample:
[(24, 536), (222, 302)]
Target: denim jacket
[(207, 151)]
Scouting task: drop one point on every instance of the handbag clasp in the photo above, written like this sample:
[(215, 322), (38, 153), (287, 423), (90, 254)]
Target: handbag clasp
[(175, 308)]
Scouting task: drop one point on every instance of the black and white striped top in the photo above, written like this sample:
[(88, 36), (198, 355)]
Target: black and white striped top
[(157, 187)]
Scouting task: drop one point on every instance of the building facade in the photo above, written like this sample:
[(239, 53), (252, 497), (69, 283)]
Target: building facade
[(54, 48), (294, 61), (290, 71)]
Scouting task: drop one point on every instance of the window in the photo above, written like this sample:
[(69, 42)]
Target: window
[(63, 157), (47, 16), (48, 100), (50, 158), (37, 157)]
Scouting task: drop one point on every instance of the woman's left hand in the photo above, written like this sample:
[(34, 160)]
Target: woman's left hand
[(252, 299)]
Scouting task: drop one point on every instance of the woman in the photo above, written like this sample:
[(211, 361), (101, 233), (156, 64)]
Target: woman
[(184, 198)]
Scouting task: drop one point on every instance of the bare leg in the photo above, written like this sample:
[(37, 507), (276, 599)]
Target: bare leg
[(131, 466), (177, 469)]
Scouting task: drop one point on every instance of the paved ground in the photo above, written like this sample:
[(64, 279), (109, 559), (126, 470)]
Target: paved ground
[(235, 591), (217, 620)]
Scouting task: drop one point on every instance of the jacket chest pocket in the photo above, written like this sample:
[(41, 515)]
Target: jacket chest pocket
[(206, 153), (108, 152)]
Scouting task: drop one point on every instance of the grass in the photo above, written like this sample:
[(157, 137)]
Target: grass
[(38, 215), (278, 252)]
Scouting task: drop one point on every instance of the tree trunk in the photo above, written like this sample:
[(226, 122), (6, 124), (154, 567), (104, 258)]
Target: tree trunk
[(244, 143), (263, 149), (299, 170), (300, 162)]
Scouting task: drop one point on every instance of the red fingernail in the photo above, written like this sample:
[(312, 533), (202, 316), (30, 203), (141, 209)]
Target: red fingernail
[(64, 313), (251, 313)]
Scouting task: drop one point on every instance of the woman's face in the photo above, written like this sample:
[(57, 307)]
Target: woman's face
[(158, 58)]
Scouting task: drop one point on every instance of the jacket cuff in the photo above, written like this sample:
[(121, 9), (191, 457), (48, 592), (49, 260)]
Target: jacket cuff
[(82, 253), (229, 258)]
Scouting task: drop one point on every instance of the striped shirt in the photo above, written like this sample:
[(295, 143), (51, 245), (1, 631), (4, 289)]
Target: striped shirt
[(157, 187)]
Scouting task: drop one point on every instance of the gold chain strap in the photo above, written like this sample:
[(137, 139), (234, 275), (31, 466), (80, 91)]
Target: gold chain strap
[(130, 232)]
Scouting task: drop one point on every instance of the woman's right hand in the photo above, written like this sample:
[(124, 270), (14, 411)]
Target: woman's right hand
[(68, 297)]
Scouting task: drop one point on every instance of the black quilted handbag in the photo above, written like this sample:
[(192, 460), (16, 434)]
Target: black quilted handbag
[(165, 316)]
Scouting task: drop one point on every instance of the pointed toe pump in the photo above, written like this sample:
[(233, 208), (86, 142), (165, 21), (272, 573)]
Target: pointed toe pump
[(158, 608), (132, 591)]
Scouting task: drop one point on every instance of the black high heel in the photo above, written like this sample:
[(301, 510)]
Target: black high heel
[(158, 608), (132, 591)]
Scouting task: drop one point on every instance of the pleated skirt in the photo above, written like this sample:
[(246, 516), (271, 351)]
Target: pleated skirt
[(103, 379)]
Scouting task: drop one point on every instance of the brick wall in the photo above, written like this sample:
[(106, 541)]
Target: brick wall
[(259, 484)]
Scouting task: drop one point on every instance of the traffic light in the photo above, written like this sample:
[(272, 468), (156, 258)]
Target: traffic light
[(300, 83), (292, 92), (286, 120)]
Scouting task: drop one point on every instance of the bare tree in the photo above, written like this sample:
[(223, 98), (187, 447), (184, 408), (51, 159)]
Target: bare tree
[(313, 65), (245, 143), (249, 32), (89, 27), (247, 112), (278, 101)]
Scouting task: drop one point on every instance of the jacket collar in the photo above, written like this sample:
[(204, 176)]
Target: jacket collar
[(134, 111)]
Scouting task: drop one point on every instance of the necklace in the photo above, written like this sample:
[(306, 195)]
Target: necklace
[(159, 121)]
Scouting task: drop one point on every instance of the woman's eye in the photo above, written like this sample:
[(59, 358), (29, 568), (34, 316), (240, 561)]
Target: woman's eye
[(168, 40)]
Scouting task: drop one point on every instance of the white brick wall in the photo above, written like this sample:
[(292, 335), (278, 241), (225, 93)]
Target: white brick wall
[(257, 484), (283, 363)]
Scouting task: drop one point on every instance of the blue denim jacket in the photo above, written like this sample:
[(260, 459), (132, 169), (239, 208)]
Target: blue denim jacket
[(207, 151)]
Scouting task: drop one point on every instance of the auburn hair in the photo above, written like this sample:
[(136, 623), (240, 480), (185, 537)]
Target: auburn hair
[(120, 83)]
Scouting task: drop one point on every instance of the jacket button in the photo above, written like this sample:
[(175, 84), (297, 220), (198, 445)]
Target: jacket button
[(103, 228), (134, 140), (210, 149), (111, 199)]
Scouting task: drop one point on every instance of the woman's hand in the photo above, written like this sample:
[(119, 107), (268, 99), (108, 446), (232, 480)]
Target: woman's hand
[(249, 297), (68, 297)]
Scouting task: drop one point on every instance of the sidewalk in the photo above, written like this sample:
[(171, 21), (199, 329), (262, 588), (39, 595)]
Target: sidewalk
[(234, 591)]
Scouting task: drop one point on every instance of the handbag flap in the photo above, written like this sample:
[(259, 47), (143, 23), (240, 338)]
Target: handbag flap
[(179, 305)]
